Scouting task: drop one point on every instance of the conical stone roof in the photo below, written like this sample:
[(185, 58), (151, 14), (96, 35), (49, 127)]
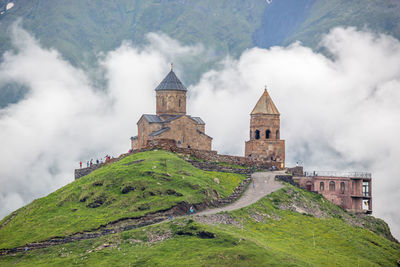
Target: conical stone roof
[(265, 105), (171, 82)]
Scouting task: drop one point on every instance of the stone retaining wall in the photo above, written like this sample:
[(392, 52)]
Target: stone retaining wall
[(236, 193), (296, 171), (85, 171), (206, 155), (210, 155), (207, 166), (287, 179)]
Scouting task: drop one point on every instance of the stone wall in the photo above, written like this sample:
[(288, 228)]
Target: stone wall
[(209, 156), (265, 143), (236, 193), (185, 131), (287, 179), (208, 166), (296, 171), (266, 150), (345, 192), (262, 123), (171, 102), (212, 156), (85, 171), (144, 130)]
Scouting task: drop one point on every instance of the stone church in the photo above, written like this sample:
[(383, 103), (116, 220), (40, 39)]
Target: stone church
[(171, 120), (265, 143)]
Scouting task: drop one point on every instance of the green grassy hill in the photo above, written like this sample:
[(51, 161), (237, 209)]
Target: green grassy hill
[(137, 185), (288, 227)]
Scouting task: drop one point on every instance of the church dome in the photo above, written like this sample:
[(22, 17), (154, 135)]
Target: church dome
[(171, 82)]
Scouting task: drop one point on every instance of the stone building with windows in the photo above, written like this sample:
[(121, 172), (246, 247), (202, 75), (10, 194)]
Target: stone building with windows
[(171, 120), (351, 191), (265, 143)]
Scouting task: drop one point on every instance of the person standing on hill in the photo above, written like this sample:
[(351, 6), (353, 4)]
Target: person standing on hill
[(80, 164), (191, 210)]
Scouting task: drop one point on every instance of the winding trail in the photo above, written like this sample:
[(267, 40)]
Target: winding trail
[(263, 183)]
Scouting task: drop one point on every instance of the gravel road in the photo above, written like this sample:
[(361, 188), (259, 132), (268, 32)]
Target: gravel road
[(264, 184)]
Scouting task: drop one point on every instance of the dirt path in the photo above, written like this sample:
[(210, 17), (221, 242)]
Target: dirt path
[(263, 184)]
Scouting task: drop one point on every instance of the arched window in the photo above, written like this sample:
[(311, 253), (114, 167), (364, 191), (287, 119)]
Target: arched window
[(331, 186), (277, 134), (267, 134), (321, 186), (309, 185), (257, 134), (179, 143), (342, 187), (179, 103), (163, 102), (170, 102)]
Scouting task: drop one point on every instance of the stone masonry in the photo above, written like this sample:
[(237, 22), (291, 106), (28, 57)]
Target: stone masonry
[(350, 191), (210, 155), (265, 143), (171, 120)]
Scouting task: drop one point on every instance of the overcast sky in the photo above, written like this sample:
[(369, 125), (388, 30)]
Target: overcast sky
[(337, 113)]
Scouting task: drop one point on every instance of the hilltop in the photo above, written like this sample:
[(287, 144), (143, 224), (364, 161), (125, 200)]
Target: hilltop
[(135, 186), (119, 213)]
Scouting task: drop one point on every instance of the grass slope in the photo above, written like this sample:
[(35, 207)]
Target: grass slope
[(134, 186), (265, 233)]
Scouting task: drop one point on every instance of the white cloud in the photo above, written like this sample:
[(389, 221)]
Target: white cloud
[(336, 113)]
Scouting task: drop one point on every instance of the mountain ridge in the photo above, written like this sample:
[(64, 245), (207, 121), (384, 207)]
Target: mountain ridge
[(80, 31)]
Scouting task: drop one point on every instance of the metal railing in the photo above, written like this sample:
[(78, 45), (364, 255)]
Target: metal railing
[(338, 174), (366, 194)]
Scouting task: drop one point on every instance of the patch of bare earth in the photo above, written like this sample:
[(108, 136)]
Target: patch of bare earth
[(220, 218)]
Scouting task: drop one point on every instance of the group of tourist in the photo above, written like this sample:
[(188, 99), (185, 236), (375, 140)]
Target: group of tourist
[(90, 162)]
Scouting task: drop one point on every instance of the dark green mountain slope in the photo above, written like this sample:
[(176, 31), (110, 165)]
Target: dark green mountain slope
[(381, 16), (80, 30)]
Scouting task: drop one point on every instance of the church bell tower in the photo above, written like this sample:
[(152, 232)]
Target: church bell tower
[(265, 143)]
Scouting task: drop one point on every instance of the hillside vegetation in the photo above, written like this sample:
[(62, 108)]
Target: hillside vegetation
[(137, 185), (269, 232), (82, 30), (377, 16)]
